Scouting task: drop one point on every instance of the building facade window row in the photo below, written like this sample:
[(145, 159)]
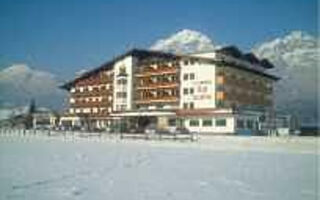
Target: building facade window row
[(90, 110), (188, 76), (219, 122), (90, 88), (88, 99)]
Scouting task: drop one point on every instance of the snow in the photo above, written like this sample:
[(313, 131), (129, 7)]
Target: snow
[(39, 167), (185, 41)]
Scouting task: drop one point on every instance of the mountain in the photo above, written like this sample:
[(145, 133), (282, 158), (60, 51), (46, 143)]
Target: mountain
[(184, 41), (295, 56), (19, 84)]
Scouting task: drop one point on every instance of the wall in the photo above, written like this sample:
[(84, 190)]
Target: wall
[(126, 63), (92, 95), (203, 85), (242, 88)]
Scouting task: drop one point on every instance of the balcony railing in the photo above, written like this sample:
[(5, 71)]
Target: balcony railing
[(102, 103), (154, 72), (87, 93), (157, 85), (169, 99)]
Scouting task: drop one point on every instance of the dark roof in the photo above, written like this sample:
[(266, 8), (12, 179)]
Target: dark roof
[(224, 63), (251, 58), (231, 51), (265, 63)]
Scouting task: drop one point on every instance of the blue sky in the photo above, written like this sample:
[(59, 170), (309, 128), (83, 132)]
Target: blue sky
[(66, 36)]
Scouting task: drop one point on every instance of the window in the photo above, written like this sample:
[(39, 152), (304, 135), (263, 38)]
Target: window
[(172, 122), (204, 89), (86, 110), (249, 124), (220, 95), (191, 90), (185, 62), (185, 91), (206, 122), (121, 94), (185, 77), (191, 105), (221, 122), (72, 100), (240, 123), (192, 76), (109, 109), (194, 122), (220, 79), (185, 105), (122, 82), (220, 103), (123, 107), (95, 110)]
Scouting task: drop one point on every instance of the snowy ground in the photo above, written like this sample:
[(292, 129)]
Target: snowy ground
[(39, 167)]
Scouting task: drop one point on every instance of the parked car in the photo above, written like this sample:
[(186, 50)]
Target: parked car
[(182, 130)]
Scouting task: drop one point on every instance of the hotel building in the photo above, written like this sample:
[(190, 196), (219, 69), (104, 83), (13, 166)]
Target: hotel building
[(219, 92)]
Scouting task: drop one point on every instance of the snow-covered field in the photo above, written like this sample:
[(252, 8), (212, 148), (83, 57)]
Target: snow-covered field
[(39, 167)]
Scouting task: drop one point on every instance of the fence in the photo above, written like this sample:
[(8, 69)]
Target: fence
[(71, 134)]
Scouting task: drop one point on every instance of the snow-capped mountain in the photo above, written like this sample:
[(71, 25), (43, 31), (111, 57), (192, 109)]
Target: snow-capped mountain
[(295, 56), (20, 83), (184, 41)]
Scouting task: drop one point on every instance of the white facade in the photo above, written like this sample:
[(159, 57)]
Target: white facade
[(123, 102), (197, 85)]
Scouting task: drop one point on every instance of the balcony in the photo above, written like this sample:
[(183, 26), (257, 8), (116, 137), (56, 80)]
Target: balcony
[(161, 85), (78, 104), (87, 93), (168, 99), (154, 72)]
